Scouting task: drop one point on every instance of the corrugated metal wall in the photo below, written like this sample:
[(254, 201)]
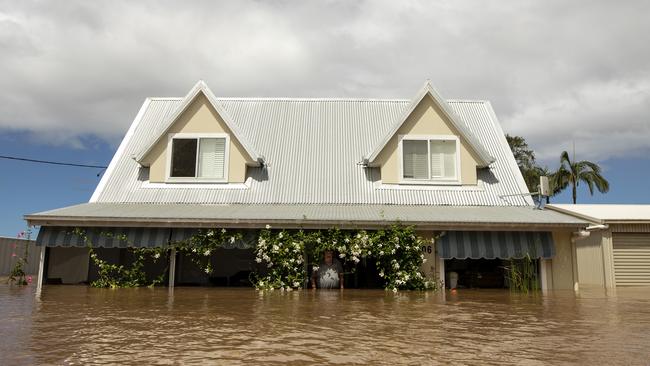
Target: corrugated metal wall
[(631, 259), (7, 261)]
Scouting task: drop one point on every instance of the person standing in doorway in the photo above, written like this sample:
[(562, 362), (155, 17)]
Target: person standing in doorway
[(329, 274)]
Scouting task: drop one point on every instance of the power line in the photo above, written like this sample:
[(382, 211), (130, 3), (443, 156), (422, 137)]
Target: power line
[(52, 162)]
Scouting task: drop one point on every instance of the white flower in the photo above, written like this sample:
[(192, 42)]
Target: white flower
[(315, 268), (210, 233), (296, 284), (346, 240), (206, 253), (318, 240), (207, 270), (369, 252), (270, 264), (396, 265), (397, 246), (381, 274), (394, 289), (424, 260), (232, 239), (157, 255), (355, 259), (258, 260), (334, 242), (381, 252), (193, 250), (392, 251), (223, 231), (268, 226), (342, 255), (358, 236), (275, 248), (280, 235), (422, 256)]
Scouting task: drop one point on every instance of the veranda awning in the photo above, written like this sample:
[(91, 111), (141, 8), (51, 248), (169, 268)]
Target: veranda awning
[(127, 237), (495, 244)]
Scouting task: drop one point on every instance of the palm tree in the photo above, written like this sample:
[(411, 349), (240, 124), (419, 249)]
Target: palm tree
[(572, 173)]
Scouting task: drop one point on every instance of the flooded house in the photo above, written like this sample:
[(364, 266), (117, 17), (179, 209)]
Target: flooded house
[(203, 161)]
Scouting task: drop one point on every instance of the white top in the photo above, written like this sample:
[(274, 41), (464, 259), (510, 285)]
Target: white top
[(606, 212)]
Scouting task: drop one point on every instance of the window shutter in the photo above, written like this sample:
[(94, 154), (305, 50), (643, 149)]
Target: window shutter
[(443, 158), (414, 159), (212, 158)]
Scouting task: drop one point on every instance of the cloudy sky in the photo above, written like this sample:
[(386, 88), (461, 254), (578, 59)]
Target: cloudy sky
[(73, 74), (555, 71)]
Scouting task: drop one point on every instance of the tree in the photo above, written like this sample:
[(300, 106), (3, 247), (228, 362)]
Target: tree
[(525, 158), (572, 173)]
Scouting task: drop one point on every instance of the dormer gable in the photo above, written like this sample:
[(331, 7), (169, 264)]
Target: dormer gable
[(429, 144), (199, 143)]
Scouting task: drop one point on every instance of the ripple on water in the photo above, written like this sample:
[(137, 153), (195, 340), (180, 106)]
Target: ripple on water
[(80, 325)]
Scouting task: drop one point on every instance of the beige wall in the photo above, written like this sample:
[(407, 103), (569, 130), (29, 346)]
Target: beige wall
[(68, 264), (429, 267), (563, 264), (199, 117), (589, 253), (426, 119)]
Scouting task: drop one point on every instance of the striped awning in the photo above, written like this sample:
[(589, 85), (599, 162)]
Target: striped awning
[(128, 237), (104, 237), (495, 244)]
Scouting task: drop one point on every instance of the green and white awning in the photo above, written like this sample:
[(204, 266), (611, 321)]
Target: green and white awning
[(495, 244), (127, 237)]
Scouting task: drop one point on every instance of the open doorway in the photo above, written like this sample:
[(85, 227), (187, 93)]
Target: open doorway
[(484, 273)]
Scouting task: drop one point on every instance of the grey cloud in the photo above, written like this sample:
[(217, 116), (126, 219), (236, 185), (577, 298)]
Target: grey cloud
[(555, 71)]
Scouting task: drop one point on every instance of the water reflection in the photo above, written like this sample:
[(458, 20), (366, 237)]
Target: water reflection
[(80, 325)]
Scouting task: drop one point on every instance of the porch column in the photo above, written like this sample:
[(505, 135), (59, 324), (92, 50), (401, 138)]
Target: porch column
[(441, 271), (172, 268), (41, 270), (543, 273)]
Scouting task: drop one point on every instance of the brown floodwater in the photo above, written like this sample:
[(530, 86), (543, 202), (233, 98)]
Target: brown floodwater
[(82, 325)]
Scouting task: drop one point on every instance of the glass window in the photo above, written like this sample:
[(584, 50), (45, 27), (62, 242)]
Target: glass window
[(183, 158), (429, 159), (211, 158), (415, 159)]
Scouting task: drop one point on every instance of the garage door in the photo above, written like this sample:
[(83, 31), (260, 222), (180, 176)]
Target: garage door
[(631, 259)]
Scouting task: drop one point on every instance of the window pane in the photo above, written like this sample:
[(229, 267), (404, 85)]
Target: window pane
[(183, 158), (212, 157), (414, 159), (443, 158)]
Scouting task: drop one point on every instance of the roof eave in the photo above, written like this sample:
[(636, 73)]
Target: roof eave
[(202, 87), (485, 159)]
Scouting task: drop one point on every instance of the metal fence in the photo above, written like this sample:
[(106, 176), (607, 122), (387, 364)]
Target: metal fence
[(7, 259)]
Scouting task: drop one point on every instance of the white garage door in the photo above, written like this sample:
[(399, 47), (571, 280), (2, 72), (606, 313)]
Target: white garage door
[(631, 259)]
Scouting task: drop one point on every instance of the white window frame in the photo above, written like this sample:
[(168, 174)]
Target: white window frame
[(432, 180), (198, 136)]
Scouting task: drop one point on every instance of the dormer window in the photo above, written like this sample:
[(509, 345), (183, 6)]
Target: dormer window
[(198, 157), (430, 159)]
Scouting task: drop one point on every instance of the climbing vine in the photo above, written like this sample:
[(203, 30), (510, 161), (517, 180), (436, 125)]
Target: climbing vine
[(197, 248), (396, 251)]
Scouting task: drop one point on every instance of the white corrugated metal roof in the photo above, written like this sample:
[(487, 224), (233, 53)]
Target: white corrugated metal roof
[(606, 212), (313, 147), (193, 215)]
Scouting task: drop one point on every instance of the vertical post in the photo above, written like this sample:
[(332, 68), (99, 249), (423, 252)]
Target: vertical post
[(41, 270), (543, 273), (172, 268), (441, 271), (574, 265)]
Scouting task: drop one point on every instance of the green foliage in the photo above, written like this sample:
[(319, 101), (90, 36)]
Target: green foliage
[(17, 275), (396, 250), (522, 275), (198, 248), (571, 173), (283, 253), (527, 163)]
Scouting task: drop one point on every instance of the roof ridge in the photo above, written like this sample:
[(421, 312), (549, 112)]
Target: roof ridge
[(324, 99)]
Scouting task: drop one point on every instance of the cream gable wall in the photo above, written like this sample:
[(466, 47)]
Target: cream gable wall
[(426, 119), (199, 117)]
